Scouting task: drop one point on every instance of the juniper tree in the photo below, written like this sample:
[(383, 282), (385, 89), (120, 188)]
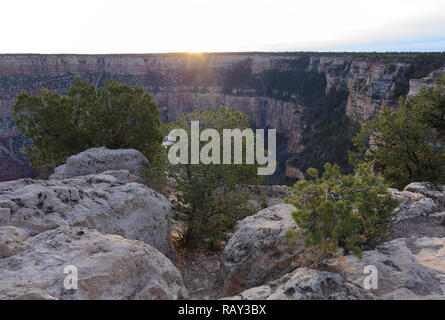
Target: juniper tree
[(114, 116), (209, 201)]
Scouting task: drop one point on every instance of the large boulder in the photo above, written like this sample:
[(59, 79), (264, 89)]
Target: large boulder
[(406, 269), (108, 202), (98, 160), (108, 267), (419, 199), (258, 251)]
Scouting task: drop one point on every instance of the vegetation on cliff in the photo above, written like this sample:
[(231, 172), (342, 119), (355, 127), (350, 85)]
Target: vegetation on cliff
[(114, 116), (209, 203), (407, 145)]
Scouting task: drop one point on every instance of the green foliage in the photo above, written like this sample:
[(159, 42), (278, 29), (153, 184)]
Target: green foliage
[(208, 202), (335, 211), (115, 116), (263, 202), (407, 145), (156, 172)]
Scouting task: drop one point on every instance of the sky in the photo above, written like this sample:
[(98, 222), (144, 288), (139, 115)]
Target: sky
[(136, 26)]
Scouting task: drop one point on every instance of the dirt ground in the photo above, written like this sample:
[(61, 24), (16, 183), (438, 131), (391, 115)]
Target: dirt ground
[(202, 272)]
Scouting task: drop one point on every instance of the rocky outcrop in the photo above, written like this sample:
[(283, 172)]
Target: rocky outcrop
[(108, 267), (258, 251), (98, 160), (305, 284), (406, 269), (370, 81), (108, 202), (429, 82), (293, 172), (419, 198)]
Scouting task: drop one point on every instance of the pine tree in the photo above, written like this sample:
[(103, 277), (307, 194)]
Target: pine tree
[(342, 211)]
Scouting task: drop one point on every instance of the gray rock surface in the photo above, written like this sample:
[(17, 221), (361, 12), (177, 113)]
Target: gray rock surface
[(108, 202), (406, 269), (258, 251), (11, 241), (98, 160), (108, 267), (419, 199)]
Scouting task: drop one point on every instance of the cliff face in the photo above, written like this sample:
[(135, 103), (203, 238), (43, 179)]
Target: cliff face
[(428, 82), (275, 90)]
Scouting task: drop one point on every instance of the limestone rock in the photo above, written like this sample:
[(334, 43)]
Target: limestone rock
[(406, 269), (309, 284), (419, 198), (109, 203), (258, 251), (11, 241), (305, 284), (429, 82), (108, 267), (293, 172), (429, 190), (98, 160)]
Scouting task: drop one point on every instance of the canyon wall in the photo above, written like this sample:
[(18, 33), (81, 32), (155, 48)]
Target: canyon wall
[(285, 91)]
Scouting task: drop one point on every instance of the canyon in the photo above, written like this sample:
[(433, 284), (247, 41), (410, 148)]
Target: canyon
[(305, 96)]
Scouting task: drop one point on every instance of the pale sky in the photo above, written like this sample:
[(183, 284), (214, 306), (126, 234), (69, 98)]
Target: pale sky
[(132, 26)]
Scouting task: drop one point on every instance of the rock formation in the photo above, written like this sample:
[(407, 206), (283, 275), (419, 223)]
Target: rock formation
[(258, 251), (108, 267), (115, 231), (406, 269), (97, 160), (428, 82), (419, 198), (102, 202)]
